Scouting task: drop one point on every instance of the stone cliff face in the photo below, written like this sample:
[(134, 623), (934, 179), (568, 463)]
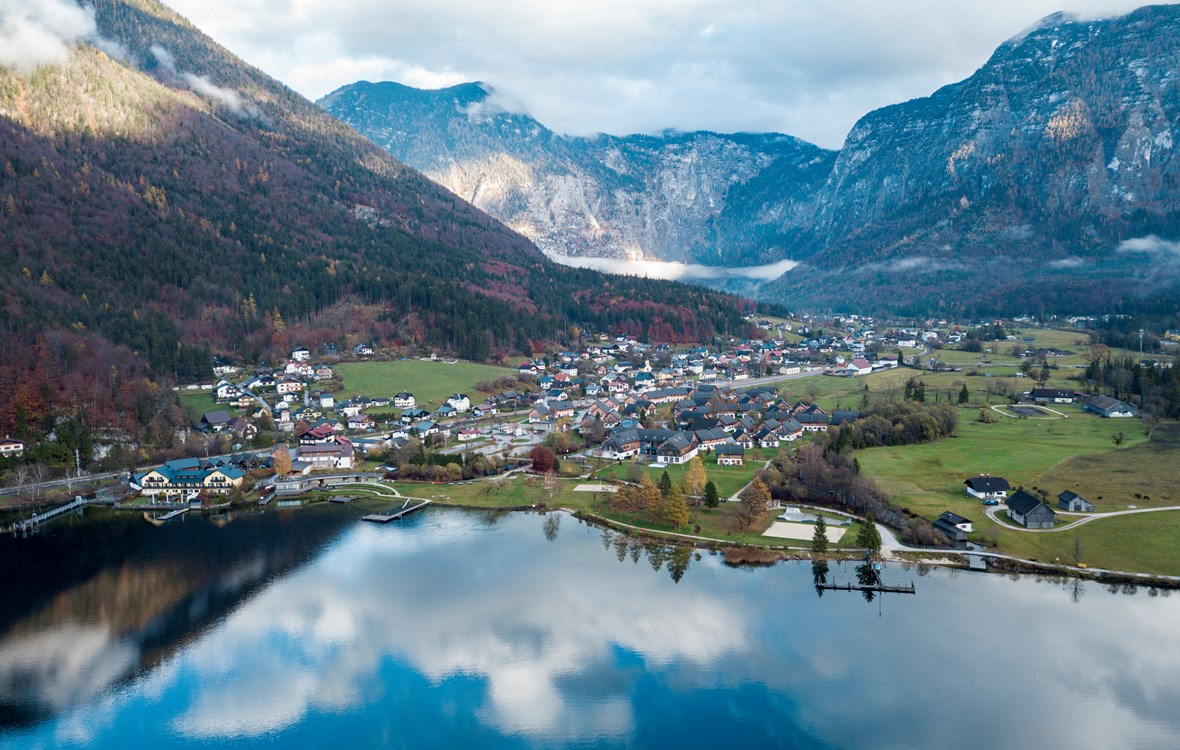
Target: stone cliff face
[(677, 196), (1053, 165)]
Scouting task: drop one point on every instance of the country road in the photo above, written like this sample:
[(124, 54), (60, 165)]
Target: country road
[(992, 511)]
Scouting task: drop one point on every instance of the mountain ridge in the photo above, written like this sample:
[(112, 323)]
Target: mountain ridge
[(1036, 169)]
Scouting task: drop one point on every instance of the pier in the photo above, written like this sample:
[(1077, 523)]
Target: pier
[(35, 520), (876, 587), (406, 510)]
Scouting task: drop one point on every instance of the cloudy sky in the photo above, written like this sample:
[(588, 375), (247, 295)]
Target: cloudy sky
[(806, 67)]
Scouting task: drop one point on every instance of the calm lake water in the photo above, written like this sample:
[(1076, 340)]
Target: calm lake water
[(311, 629)]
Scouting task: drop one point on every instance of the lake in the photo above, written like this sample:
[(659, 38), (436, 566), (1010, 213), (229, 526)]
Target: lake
[(308, 628)]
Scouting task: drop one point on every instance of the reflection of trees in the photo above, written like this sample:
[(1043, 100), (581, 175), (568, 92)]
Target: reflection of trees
[(552, 524), (866, 576), (1076, 588), (678, 565), (819, 575)]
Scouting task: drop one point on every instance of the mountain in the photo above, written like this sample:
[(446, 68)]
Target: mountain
[(1045, 181), (160, 201), (690, 197)]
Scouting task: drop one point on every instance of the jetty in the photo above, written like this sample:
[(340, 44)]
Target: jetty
[(393, 515), (35, 520), (161, 520), (876, 587)]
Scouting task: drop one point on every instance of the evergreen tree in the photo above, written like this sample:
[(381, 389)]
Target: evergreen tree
[(964, 395), (868, 537), (819, 539), (712, 500), (665, 483)]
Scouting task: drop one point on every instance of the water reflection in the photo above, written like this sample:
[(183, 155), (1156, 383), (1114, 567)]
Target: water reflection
[(477, 631)]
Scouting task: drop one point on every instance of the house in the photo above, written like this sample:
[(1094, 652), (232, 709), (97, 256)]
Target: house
[(1030, 512), (226, 391), (1109, 407), (1052, 396), (1074, 502), (468, 434), (955, 527), (731, 455), (177, 479), (708, 439), (327, 401), (813, 421), (405, 400), (323, 372), (362, 422), (338, 454), (362, 350), (301, 354), (10, 446), (678, 449), (243, 428), (987, 487), (459, 402), (288, 385), (622, 444), (319, 435), (411, 415), (215, 421)]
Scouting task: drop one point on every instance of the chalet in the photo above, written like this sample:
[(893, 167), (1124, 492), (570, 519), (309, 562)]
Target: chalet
[(319, 435), (791, 430), (955, 527), (622, 444), (709, 439), (243, 428), (10, 446), (1074, 502), (243, 401), (561, 411), (262, 381), (540, 413), (323, 372), (813, 421), (405, 400), (488, 408), (987, 487), (1052, 396), (1030, 512), (362, 350), (1109, 407), (362, 422), (288, 385), (425, 428), (215, 421), (678, 449), (446, 411), (731, 455), (226, 391), (459, 402), (411, 415), (339, 454), (301, 354), (177, 479), (299, 369)]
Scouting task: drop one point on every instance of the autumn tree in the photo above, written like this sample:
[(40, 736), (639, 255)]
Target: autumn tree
[(674, 508), (542, 458), (755, 500), (649, 496), (694, 480), (281, 457)]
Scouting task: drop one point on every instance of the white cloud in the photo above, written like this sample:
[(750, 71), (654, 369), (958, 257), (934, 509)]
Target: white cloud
[(804, 67), (1150, 245), (41, 32), (675, 271)]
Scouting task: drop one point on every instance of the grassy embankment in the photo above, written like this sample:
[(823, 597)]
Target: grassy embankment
[(430, 382)]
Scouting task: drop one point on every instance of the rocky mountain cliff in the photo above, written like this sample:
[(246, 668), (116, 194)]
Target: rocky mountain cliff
[(1047, 178), (676, 196)]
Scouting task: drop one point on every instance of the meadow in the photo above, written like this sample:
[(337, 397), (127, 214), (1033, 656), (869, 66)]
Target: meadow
[(431, 382)]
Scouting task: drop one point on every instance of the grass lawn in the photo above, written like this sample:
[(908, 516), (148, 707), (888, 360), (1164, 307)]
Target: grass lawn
[(1142, 544), (430, 382), (928, 478), (717, 523), (196, 403), (729, 479)]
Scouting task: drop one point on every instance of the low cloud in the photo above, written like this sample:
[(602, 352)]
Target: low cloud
[(41, 32), (673, 271), (1150, 245), (495, 103), (202, 86), (1067, 263)]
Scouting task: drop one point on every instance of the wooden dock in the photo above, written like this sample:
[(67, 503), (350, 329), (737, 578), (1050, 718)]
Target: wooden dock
[(393, 515), (879, 588), (37, 519)]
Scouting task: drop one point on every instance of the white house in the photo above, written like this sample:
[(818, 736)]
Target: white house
[(301, 354), (459, 402), (987, 487), (405, 400)]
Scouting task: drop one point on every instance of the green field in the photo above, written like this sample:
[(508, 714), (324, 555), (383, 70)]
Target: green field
[(430, 382), (715, 523), (1054, 455), (729, 479), (196, 403)]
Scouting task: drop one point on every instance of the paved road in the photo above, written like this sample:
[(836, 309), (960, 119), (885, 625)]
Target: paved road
[(768, 380), (993, 510)]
